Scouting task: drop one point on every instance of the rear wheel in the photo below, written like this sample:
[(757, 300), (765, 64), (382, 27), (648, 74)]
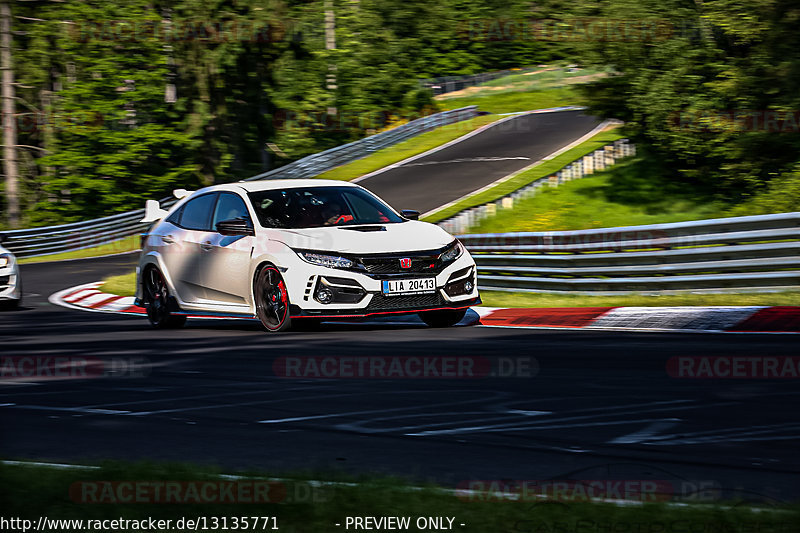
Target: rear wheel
[(156, 301), (272, 300), (443, 318)]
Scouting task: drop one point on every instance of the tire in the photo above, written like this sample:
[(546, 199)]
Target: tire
[(272, 300), (156, 301), (10, 305), (306, 324), (444, 318)]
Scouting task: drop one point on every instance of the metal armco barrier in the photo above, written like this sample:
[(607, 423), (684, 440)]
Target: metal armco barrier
[(80, 235), (315, 164), (740, 253), (584, 166)]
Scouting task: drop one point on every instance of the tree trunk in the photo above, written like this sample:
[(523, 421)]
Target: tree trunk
[(9, 117)]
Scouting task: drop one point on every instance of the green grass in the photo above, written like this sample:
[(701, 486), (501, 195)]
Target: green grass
[(513, 299), (534, 78), (630, 193), (31, 491), (544, 169), (513, 101), (398, 152), (127, 244), (122, 285)]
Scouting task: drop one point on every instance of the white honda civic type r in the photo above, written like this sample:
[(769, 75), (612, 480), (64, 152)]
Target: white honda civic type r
[(298, 250), (10, 284)]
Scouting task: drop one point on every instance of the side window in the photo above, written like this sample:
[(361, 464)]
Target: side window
[(229, 206), (197, 212), (175, 218)]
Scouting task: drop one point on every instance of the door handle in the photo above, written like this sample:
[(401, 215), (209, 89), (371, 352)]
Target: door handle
[(167, 239), (207, 246)]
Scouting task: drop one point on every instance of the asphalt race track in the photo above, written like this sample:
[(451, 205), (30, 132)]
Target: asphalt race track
[(450, 173), (594, 405), (543, 405)]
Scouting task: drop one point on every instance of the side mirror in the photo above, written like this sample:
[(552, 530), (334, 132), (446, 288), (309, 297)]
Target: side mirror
[(410, 214), (235, 226)]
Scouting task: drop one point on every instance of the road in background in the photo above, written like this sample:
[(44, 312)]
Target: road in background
[(457, 170)]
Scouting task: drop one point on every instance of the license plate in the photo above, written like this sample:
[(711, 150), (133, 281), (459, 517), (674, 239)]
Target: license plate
[(395, 287)]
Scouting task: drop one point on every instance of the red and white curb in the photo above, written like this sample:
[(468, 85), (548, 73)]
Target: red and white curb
[(748, 319), (88, 297)]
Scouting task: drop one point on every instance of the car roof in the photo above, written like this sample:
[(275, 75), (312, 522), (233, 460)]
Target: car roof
[(266, 185)]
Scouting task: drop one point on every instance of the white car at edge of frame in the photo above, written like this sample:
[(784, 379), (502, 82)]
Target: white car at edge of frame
[(10, 281), (298, 251)]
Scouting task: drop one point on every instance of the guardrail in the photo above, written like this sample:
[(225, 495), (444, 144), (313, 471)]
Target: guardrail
[(739, 253), (80, 235), (316, 164), (586, 165), (449, 84)]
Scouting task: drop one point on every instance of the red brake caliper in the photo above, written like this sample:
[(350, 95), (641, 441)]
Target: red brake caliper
[(282, 288)]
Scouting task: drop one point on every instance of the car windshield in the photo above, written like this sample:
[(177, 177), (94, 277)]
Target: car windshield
[(311, 207)]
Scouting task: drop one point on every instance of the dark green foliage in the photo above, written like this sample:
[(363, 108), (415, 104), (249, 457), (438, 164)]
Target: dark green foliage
[(254, 87), (700, 95)]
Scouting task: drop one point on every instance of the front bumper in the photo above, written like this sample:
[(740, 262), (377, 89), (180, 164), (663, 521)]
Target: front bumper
[(10, 287), (400, 305), (355, 294)]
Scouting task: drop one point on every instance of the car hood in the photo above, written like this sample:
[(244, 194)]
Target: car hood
[(406, 236)]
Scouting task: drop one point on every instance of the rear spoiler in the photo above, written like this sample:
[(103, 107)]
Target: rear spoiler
[(153, 211)]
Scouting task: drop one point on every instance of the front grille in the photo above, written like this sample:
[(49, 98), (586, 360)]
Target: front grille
[(391, 265), (380, 302), (4, 280)]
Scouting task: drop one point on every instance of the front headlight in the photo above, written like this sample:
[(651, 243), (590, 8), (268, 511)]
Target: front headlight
[(5, 259), (332, 261), (452, 253)]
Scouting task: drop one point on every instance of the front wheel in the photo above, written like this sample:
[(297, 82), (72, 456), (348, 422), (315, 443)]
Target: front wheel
[(443, 318), (156, 301), (10, 305), (272, 300)]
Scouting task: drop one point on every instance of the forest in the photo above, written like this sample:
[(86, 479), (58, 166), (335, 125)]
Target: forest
[(106, 104)]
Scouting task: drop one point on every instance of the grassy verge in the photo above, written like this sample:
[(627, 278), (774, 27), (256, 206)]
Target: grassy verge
[(122, 285), (524, 178), (513, 101), (415, 145), (299, 506), (633, 192), (518, 299), (128, 244)]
